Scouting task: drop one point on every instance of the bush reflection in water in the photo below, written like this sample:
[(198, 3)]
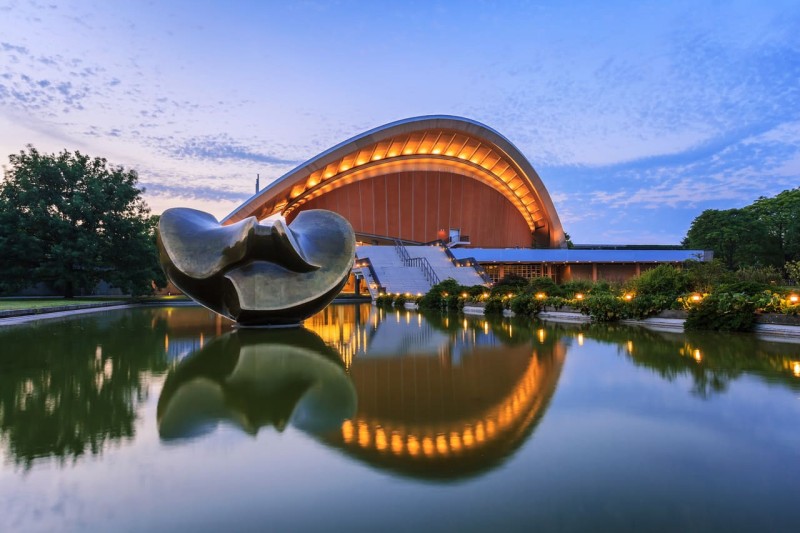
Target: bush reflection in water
[(433, 396)]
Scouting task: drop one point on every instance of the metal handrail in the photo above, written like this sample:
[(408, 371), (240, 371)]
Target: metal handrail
[(400, 248), (366, 263), (427, 270), (471, 262), (419, 262)]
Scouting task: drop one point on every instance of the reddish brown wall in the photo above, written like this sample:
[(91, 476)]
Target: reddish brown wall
[(415, 205)]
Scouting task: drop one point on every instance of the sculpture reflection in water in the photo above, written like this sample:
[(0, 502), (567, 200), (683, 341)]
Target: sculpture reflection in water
[(256, 378), (419, 398), (257, 273)]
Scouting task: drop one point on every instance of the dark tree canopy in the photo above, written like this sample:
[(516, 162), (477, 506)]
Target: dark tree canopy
[(766, 232), (70, 221)]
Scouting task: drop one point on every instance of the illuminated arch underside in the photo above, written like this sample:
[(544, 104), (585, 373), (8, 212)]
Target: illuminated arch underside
[(449, 144), (458, 447)]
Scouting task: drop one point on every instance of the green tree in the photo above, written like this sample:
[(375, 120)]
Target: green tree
[(70, 221), (780, 218), (735, 235)]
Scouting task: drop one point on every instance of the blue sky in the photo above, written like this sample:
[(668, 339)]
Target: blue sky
[(637, 115)]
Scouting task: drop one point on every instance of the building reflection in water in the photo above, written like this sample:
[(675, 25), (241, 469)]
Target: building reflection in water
[(438, 397), (429, 397)]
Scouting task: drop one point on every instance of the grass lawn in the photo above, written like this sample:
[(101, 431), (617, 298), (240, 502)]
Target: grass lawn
[(7, 304)]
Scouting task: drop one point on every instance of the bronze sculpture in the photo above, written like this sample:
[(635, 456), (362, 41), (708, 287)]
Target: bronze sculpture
[(257, 273)]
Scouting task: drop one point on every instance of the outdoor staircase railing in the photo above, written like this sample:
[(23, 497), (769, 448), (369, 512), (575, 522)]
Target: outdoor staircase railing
[(466, 262), (374, 285), (427, 270), (420, 262)]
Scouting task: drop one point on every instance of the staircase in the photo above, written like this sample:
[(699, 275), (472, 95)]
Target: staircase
[(410, 269)]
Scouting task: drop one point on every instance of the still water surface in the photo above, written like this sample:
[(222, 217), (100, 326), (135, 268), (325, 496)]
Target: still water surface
[(169, 419)]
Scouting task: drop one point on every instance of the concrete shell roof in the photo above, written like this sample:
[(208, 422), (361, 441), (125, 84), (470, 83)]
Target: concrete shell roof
[(464, 145)]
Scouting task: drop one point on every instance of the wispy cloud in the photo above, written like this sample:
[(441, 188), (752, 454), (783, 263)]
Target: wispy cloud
[(194, 192), (223, 147)]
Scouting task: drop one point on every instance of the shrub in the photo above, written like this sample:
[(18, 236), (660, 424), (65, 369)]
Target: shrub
[(384, 300), (646, 305), (400, 301), (663, 281), (603, 307), (571, 288), (722, 312), (494, 306), (602, 287), (545, 285), (765, 275), (519, 304), (705, 276), (557, 302), (793, 271), (750, 288), (435, 299), (454, 302), (510, 283)]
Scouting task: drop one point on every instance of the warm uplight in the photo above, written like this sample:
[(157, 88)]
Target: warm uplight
[(441, 444), (540, 296), (397, 443), (380, 439), (427, 446), (468, 438), (347, 431), (413, 445), (455, 441), (463, 294), (363, 435), (628, 297), (510, 294), (579, 296), (444, 295), (793, 298), (696, 297)]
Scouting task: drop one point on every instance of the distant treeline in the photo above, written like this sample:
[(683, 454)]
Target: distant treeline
[(764, 233)]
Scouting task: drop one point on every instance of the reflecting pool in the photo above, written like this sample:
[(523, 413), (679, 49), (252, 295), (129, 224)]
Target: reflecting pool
[(169, 418)]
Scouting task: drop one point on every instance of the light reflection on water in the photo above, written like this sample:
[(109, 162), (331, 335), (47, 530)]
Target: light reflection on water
[(449, 405)]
